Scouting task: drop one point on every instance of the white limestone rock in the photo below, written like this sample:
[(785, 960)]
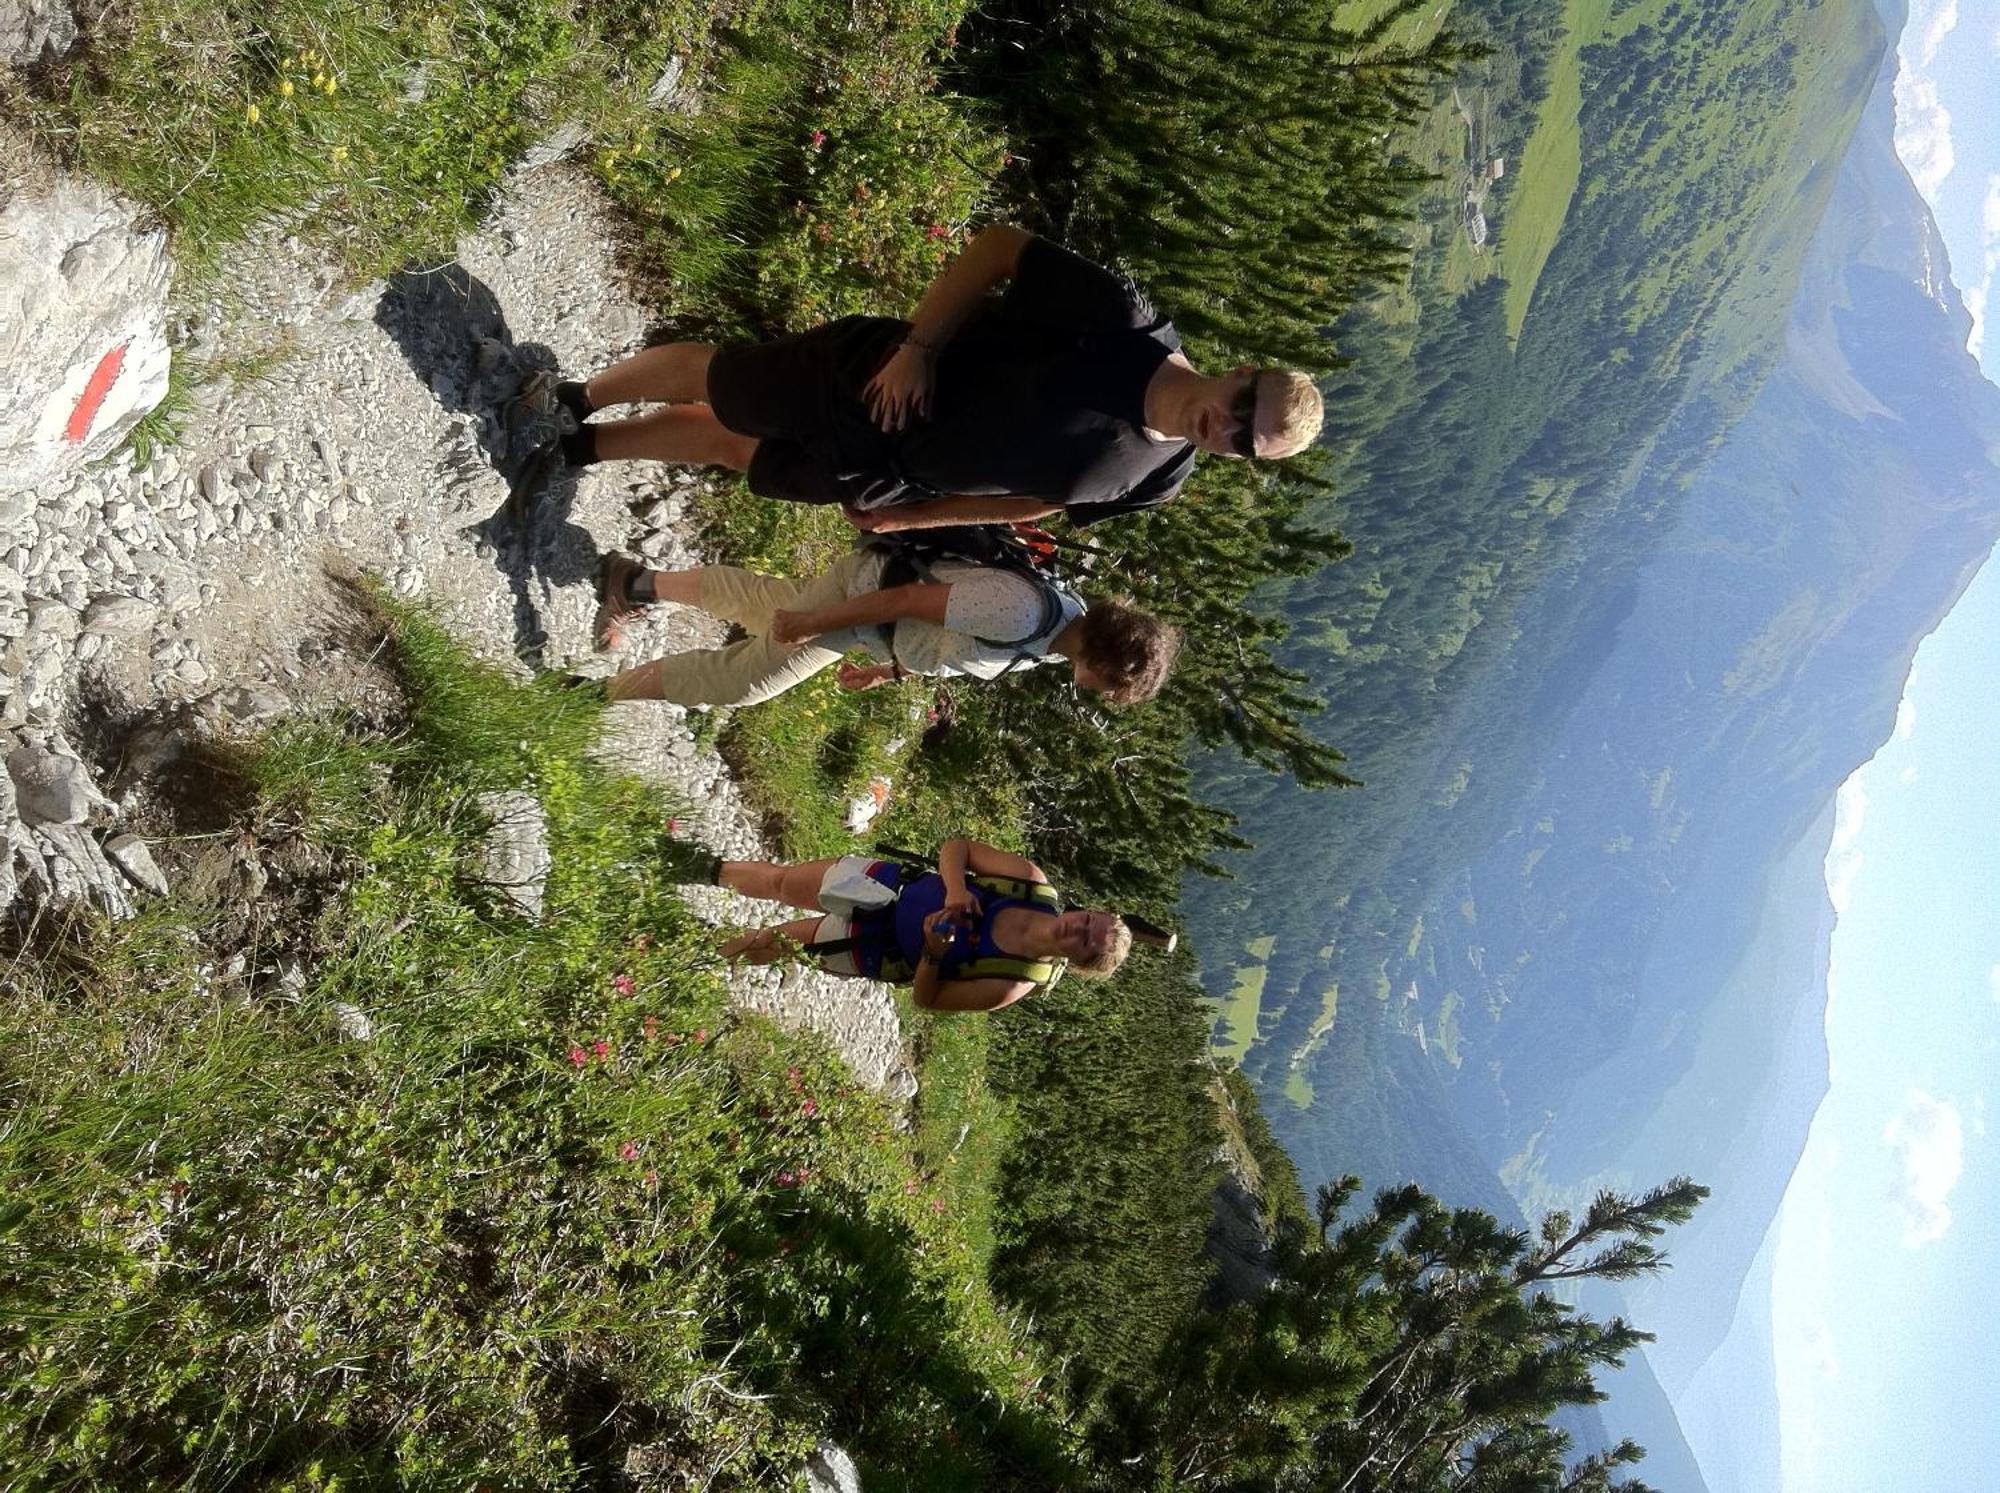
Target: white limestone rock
[(119, 616), (50, 787), (33, 32), (831, 1470), (82, 304), (134, 857), (514, 856)]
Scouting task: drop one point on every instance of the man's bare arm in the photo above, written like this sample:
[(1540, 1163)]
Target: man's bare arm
[(901, 391)]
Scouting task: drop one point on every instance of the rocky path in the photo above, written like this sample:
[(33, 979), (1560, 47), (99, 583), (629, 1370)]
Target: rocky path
[(358, 428)]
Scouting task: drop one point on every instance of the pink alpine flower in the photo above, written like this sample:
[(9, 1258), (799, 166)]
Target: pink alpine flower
[(624, 984), (810, 1107), (601, 1048), (578, 1057), (936, 230), (818, 138), (628, 1152), (651, 1027)]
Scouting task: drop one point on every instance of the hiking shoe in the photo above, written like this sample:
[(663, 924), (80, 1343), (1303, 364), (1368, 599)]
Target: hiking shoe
[(614, 606), (536, 422)]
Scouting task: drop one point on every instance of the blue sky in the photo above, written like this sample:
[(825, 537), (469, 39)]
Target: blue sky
[(1888, 1244)]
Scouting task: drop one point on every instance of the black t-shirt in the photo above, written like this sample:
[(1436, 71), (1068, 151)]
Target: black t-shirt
[(1042, 394)]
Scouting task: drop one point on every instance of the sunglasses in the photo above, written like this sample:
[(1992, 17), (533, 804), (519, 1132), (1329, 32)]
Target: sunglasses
[(1244, 412)]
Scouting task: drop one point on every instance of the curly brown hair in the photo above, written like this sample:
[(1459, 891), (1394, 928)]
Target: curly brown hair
[(1130, 650)]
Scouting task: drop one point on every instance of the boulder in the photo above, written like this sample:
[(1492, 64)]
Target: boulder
[(119, 616), (10, 826), (831, 1470), (74, 869), (131, 855), (514, 855), (83, 291), (35, 31), (50, 787)]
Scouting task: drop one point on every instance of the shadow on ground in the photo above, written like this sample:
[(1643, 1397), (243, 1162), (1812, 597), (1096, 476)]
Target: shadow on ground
[(450, 329)]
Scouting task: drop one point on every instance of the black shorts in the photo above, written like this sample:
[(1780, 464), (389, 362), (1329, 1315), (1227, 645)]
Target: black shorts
[(801, 396)]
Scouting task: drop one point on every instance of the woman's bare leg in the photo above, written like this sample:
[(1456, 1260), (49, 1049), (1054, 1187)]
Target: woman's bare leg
[(672, 373), (795, 886), (769, 945)]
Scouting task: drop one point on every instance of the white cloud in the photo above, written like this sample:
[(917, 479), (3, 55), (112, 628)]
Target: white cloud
[(1923, 133), (1927, 1139), (1843, 857), (1817, 1350), (1932, 24), (1980, 295), (1906, 718)]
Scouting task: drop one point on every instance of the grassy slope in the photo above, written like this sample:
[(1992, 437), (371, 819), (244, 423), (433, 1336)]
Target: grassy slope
[(562, 1203), (1549, 167)]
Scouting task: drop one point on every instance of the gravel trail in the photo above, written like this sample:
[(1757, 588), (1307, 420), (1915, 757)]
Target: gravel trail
[(358, 428)]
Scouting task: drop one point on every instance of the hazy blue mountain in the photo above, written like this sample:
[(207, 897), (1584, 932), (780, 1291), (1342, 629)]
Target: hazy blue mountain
[(1628, 979), (1609, 964)]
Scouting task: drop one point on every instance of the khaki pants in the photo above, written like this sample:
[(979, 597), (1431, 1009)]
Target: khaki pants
[(755, 669)]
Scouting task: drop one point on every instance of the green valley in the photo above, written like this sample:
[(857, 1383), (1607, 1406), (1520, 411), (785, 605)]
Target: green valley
[(1516, 421)]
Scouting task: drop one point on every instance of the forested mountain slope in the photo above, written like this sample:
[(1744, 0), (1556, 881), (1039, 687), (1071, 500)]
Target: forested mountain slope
[(1493, 490)]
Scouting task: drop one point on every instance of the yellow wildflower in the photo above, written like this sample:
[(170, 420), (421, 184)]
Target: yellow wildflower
[(285, 87), (339, 153), (332, 87), (674, 174), (253, 113)]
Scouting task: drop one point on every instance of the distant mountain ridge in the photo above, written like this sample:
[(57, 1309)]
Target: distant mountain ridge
[(1628, 979), (1763, 662), (1609, 964)]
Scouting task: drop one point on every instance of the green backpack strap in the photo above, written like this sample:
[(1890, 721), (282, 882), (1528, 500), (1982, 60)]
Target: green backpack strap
[(1014, 889), (1041, 973)]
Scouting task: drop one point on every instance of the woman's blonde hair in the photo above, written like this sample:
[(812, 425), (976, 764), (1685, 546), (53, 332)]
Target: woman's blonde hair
[(1115, 950)]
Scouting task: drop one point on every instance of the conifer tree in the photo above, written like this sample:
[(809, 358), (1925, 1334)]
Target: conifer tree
[(1415, 1347)]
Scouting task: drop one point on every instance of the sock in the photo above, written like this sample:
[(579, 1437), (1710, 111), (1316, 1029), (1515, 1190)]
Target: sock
[(579, 449), (575, 398), (639, 588)]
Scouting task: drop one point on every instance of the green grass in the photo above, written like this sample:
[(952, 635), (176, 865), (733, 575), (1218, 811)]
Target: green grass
[(822, 172), (961, 1129), (1551, 164), (562, 1204), (1236, 1021)]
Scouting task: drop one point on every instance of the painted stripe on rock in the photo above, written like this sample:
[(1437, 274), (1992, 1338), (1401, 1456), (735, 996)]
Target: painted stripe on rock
[(102, 377)]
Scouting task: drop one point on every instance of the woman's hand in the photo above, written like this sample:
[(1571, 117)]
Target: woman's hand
[(901, 392), (938, 933), (863, 676), (795, 628), (962, 904)]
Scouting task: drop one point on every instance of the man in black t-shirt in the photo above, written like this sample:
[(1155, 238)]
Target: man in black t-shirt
[(1067, 393)]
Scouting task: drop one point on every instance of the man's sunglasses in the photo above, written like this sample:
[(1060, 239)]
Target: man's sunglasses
[(1244, 413)]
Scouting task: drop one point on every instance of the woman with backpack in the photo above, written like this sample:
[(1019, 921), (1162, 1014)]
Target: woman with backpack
[(979, 932), (960, 602)]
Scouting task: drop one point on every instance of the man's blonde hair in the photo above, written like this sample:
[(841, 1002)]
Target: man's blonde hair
[(1297, 411), (1114, 953)]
